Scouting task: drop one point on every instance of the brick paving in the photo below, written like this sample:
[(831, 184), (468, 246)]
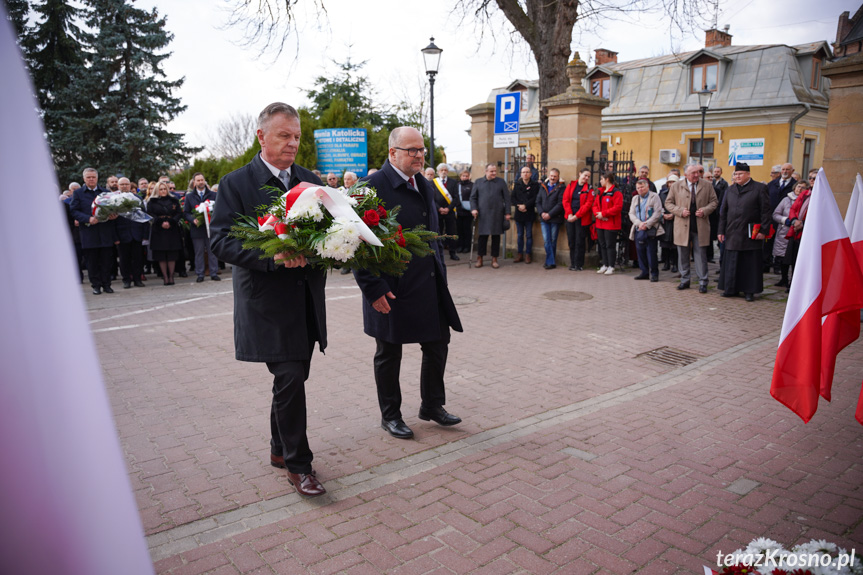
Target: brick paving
[(577, 453)]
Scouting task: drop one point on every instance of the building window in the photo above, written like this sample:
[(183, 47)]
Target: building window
[(600, 85), (807, 155), (816, 74), (695, 149), (704, 74), (524, 100)]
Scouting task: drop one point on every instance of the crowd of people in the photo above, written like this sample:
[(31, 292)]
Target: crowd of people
[(122, 248), (755, 225)]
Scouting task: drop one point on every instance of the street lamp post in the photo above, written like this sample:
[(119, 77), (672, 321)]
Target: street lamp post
[(431, 55), (704, 97)]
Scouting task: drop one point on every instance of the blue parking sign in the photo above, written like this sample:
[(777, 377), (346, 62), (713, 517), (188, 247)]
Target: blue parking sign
[(507, 108)]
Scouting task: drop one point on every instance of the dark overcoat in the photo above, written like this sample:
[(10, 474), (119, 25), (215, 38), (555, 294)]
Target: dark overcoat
[(101, 235), (525, 194), (741, 206), (165, 209), (422, 292), (190, 212), (271, 303), (451, 186), (129, 231), (490, 198)]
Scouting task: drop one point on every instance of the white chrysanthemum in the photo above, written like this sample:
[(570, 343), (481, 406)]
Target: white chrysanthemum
[(305, 208), (347, 194), (762, 544)]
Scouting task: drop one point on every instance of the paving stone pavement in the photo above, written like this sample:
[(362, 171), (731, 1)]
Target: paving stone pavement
[(578, 453)]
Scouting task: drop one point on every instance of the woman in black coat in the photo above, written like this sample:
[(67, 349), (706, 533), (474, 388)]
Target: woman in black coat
[(165, 239), (669, 250)]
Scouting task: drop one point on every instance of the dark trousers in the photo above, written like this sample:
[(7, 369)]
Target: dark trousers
[(388, 360), (576, 236), (447, 226), (288, 414), (99, 261), (482, 245), (647, 260), (204, 257), (607, 247), (463, 226), (131, 260)]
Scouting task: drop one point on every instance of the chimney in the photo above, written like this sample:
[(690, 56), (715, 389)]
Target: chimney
[(716, 37), (604, 56)]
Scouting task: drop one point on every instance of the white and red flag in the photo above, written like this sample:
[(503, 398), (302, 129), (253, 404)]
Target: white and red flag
[(854, 224), (827, 280)]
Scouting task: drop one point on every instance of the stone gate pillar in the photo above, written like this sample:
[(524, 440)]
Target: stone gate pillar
[(482, 139)]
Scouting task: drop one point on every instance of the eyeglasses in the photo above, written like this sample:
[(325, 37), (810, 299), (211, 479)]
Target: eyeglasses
[(811, 177), (413, 152)]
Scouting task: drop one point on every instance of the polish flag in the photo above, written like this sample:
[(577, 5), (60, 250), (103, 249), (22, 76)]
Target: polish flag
[(66, 504), (827, 279), (854, 225)]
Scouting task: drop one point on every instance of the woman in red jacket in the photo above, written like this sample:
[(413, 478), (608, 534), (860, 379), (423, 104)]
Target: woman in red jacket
[(578, 208), (607, 208)]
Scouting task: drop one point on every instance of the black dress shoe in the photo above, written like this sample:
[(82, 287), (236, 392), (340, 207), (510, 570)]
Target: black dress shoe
[(439, 415), (139, 283), (781, 283), (216, 278), (454, 257), (702, 289), (199, 280), (642, 277), (749, 297), (654, 279), (127, 285), (683, 286), (97, 291), (397, 428), (674, 269), (183, 274), (666, 266), (306, 484), (727, 294), (107, 289)]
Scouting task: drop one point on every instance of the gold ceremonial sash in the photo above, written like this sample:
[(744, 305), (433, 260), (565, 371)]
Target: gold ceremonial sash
[(442, 190)]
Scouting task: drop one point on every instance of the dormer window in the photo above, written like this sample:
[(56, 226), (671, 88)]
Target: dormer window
[(704, 74), (815, 84), (600, 85)]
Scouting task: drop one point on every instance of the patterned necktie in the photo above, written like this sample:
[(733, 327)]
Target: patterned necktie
[(283, 175)]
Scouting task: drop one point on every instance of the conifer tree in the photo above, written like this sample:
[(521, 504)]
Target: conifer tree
[(16, 12)]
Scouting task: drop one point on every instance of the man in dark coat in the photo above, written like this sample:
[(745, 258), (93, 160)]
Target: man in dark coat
[(416, 307), (777, 189), (464, 219), (524, 192), (97, 238), (549, 206), (719, 186), (490, 207), (746, 203), (131, 235), (446, 207), (279, 309), (204, 256)]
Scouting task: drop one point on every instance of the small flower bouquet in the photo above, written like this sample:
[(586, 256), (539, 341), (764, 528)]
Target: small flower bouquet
[(204, 213), (332, 228), (767, 557), (124, 204)]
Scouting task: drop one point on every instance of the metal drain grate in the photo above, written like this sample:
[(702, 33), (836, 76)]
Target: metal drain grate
[(669, 356), (565, 295)]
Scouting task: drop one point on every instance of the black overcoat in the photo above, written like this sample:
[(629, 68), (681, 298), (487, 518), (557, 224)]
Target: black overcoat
[(271, 303), (525, 194), (101, 235), (190, 212), (741, 206), (165, 209), (422, 291)]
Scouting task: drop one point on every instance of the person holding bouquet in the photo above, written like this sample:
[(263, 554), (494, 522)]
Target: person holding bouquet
[(98, 238), (165, 239), (416, 307), (198, 229), (279, 310)]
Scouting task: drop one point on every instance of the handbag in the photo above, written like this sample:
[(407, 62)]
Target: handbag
[(506, 224)]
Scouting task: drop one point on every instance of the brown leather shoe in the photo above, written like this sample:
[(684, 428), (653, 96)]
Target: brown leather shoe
[(494, 263), (518, 258), (527, 259), (306, 484), (277, 461), (478, 262)]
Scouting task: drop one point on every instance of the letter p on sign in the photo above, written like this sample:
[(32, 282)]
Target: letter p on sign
[(507, 107)]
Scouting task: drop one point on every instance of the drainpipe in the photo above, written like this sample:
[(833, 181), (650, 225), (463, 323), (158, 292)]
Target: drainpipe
[(791, 127)]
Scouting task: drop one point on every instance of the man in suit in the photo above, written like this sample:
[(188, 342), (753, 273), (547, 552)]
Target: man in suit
[(719, 186), (198, 232), (746, 202), (130, 250), (416, 307), (692, 200), (279, 304), (446, 195), (777, 189), (97, 238)]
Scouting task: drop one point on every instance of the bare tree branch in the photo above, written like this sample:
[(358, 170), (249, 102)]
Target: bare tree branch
[(232, 136)]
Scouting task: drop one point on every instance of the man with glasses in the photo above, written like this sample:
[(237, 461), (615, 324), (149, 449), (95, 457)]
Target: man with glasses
[(414, 308)]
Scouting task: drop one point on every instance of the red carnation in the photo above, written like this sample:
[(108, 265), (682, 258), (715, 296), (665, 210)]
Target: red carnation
[(382, 212), (400, 240), (371, 218)]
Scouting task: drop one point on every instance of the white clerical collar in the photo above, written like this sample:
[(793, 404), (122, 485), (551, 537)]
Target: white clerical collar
[(274, 170)]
